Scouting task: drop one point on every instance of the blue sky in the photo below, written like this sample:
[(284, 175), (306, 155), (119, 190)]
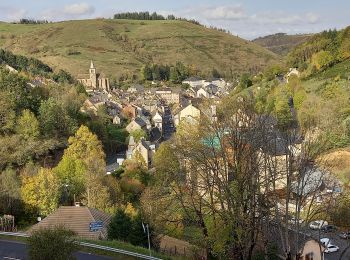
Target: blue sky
[(246, 18)]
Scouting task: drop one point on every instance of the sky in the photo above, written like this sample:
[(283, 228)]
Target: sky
[(248, 19)]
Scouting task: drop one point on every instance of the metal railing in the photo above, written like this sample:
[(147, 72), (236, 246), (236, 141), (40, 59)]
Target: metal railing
[(90, 245)]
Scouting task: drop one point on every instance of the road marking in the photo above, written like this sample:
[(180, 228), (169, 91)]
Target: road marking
[(11, 258)]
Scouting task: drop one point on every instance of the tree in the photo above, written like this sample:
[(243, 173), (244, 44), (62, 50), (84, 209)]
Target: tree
[(146, 72), (127, 228), (41, 191), (10, 187), (83, 168), (56, 243), (225, 176), (138, 134), (322, 59), (28, 125), (119, 228), (245, 81), (7, 112)]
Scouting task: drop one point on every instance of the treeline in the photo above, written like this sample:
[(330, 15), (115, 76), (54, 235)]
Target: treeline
[(150, 16), (32, 21), (321, 51), (33, 66), (220, 29), (174, 73)]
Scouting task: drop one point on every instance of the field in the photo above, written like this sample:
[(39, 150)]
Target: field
[(121, 47)]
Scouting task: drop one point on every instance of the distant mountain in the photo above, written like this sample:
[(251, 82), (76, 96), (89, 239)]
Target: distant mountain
[(122, 47), (281, 43)]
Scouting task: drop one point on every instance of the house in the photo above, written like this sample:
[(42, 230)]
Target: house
[(87, 223), (202, 93), (189, 113), (157, 119), (168, 95), (94, 80), (136, 89), (194, 82), (136, 124), (129, 111), (131, 147), (219, 82), (292, 71)]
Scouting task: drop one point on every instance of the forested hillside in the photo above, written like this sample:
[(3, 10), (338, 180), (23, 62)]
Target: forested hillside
[(321, 51), (281, 43)]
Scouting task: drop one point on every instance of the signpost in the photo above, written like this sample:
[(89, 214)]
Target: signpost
[(96, 226)]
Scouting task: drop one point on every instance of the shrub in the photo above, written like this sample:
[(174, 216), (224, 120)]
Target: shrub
[(54, 244)]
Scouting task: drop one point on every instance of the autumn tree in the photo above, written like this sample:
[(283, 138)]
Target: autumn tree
[(28, 125), (41, 191), (82, 169)]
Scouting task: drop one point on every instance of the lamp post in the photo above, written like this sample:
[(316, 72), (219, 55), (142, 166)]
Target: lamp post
[(146, 229)]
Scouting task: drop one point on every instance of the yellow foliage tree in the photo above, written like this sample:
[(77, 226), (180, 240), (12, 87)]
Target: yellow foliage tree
[(41, 191)]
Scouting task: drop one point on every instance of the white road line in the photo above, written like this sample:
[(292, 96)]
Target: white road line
[(11, 258)]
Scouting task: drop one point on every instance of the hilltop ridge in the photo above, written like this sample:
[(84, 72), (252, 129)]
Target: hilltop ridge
[(121, 47)]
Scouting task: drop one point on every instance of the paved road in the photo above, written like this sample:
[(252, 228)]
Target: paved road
[(13, 250), (168, 125), (334, 239)]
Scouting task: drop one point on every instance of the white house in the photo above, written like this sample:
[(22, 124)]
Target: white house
[(292, 71), (189, 113), (157, 119), (194, 82)]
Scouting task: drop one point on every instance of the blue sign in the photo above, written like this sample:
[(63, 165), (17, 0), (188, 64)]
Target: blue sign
[(96, 226)]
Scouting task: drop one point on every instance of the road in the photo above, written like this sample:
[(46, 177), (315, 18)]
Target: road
[(335, 240), (168, 125), (14, 250)]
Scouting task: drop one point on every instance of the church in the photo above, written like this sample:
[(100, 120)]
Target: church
[(93, 80)]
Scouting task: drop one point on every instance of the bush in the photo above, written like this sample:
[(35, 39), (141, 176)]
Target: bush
[(54, 244)]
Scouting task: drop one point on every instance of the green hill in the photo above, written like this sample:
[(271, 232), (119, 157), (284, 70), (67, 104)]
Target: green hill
[(281, 43), (123, 46)]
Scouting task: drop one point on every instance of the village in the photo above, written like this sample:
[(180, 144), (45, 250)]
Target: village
[(152, 112)]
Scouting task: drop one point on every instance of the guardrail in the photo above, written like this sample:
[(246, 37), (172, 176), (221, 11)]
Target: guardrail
[(105, 248)]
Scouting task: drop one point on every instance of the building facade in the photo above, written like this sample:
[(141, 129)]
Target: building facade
[(93, 80)]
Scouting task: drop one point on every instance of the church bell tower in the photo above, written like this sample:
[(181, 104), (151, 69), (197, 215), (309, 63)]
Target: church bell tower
[(93, 77)]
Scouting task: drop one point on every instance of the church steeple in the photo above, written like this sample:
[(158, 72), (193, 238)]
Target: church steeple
[(93, 76)]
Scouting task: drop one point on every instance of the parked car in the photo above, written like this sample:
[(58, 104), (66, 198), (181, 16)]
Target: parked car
[(328, 228), (331, 248), (318, 224), (325, 241), (345, 235)]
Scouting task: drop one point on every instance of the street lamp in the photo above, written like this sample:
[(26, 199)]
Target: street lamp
[(146, 229)]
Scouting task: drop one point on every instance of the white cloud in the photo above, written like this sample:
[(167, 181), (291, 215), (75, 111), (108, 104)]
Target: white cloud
[(284, 18), (79, 9), (8, 13), (222, 13)]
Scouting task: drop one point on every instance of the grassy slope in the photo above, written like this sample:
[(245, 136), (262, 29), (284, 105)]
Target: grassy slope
[(146, 41), (281, 44)]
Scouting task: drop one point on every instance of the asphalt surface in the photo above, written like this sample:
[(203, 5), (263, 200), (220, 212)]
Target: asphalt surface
[(13, 250), (335, 240), (168, 125)]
